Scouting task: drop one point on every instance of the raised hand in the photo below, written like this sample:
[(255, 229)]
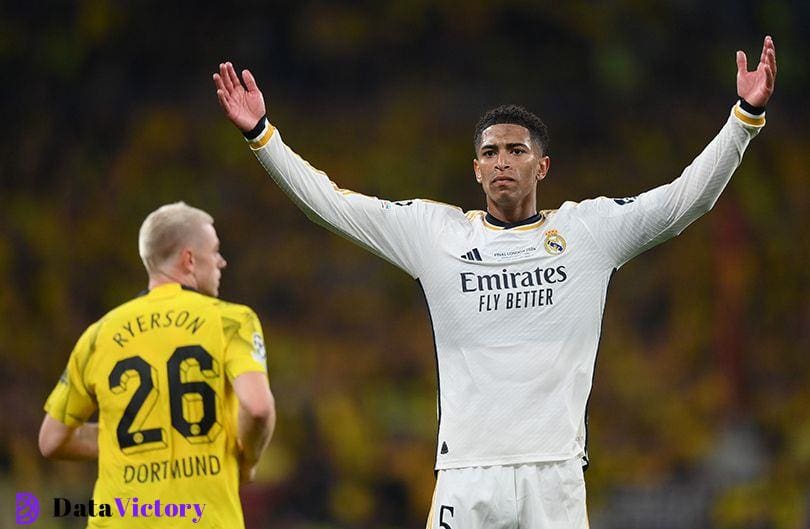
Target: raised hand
[(244, 105), (757, 87)]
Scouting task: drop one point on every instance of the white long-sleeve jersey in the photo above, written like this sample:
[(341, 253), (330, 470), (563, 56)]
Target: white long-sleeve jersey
[(516, 310)]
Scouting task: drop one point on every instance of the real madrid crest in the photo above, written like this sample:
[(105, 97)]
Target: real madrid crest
[(554, 243)]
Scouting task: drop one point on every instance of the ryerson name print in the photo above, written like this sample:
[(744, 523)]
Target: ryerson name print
[(513, 290)]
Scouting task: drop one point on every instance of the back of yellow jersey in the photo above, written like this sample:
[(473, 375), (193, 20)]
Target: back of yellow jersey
[(159, 369)]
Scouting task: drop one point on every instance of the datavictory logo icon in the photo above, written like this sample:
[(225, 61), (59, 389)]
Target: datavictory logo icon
[(27, 508)]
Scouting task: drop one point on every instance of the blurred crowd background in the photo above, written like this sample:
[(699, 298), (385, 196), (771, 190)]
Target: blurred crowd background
[(700, 413)]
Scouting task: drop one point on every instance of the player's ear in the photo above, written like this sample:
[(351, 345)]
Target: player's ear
[(543, 167), (477, 170), (186, 260)]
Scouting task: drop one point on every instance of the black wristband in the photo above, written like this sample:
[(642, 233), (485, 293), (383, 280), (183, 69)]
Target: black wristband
[(253, 133), (751, 109)]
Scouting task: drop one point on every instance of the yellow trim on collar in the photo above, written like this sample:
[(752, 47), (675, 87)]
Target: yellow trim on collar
[(473, 214)]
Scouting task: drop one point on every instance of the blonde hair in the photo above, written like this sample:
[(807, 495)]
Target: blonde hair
[(167, 230)]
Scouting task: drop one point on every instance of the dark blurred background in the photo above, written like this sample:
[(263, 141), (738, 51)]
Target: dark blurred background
[(700, 414)]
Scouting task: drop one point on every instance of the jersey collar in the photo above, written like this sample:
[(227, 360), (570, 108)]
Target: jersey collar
[(537, 217), (146, 291)]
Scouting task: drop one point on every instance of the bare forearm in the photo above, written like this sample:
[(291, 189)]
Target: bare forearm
[(83, 444), (59, 442), (255, 432)]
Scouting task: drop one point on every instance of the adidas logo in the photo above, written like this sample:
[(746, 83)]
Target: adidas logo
[(444, 449), (472, 255)]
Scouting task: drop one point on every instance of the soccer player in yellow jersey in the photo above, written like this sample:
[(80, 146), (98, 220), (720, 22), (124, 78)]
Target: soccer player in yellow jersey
[(179, 381)]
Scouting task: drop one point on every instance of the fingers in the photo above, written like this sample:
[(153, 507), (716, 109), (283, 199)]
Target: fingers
[(742, 63), (767, 57), (771, 54), (770, 63), (250, 82), (767, 63), (224, 102), (232, 75), (218, 82), (227, 84), (768, 53), (764, 54), (767, 44), (770, 76)]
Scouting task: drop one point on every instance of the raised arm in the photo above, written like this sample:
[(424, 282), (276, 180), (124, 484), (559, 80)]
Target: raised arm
[(623, 228), (400, 232)]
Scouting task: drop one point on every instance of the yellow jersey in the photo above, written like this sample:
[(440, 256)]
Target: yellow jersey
[(158, 369)]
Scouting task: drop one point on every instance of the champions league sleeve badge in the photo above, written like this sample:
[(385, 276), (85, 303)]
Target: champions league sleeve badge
[(259, 352), (554, 242)]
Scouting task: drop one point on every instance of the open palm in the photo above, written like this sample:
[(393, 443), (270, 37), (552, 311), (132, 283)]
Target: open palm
[(757, 87), (244, 105)]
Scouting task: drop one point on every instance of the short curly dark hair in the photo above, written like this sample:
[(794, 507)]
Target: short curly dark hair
[(516, 115)]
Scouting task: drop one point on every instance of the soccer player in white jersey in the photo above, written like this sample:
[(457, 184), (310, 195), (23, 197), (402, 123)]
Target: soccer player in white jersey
[(515, 294)]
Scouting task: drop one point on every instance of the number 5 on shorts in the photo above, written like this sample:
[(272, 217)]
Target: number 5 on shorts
[(442, 523)]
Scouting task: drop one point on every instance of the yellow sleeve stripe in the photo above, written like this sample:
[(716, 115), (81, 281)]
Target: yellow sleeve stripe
[(429, 201), (263, 138), (746, 118), (345, 192)]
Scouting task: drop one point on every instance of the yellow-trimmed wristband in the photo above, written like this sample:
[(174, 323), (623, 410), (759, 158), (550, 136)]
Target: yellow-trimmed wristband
[(751, 109), (749, 114), (259, 135)]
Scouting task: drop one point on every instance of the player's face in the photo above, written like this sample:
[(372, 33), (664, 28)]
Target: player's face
[(208, 262), (508, 166)]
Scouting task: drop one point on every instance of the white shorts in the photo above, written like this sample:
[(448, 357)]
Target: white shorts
[(531, 496)]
